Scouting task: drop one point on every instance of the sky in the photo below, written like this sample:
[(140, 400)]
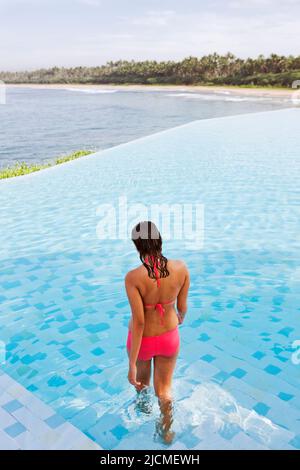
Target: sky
[(46, 33)]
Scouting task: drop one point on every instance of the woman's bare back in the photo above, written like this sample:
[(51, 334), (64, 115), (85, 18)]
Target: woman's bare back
[(171, 289)]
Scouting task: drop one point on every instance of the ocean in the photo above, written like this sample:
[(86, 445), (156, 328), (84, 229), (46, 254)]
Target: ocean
[(39, 124)]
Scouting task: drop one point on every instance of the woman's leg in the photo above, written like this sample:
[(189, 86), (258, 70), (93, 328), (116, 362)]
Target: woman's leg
[(163, 374), (143, 372), (143, 402)]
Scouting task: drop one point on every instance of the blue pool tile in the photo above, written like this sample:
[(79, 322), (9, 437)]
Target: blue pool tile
[(71, 326), (11, 284), (272, 369), (15, 429), (69, 354), (12, 406), (295, 442), (41, 306), (97, 351), (236, 324), (60, 318), (204, 337), (197, 323), (11, 346), (88, 384), (56, 381), (119, 431), (275, 319), (121, 304), (25, 335), (265, 334), (220, 377), (78, 311), (75, 371), (261, 408), (93, 370), (278, 300), (85, 419), (96, 328), (285, 396), (229, 430), (258, 355), (54, 421), (45, 326), (16, 308), (277, 349), (208, 358), (286, 331), (27, 359), (189, 440), (282, 358), (239, 373)]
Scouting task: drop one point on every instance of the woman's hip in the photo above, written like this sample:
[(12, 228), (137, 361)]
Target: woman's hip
[(166, 344)]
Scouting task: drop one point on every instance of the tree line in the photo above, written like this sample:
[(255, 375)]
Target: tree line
[(212, 69)]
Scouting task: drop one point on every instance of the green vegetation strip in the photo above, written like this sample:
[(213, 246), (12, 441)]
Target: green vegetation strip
[(22, 168), (213, 69)]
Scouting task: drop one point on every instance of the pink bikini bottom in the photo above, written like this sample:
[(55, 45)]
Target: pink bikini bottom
[(166, 344)]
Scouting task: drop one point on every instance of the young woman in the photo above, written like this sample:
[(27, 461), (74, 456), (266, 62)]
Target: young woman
[(153, 290)]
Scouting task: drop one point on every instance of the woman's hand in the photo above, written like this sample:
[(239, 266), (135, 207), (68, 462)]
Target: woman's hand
[(132, 377), (180, 316)]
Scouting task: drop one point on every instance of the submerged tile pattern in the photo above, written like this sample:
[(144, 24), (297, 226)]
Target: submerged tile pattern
[(29, 424), (64, 312)]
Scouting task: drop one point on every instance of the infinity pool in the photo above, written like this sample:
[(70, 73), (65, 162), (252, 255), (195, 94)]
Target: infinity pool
[(64, 312)]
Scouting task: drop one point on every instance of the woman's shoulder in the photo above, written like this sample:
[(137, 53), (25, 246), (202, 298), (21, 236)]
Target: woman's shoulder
[(133, 274), (177, 264)]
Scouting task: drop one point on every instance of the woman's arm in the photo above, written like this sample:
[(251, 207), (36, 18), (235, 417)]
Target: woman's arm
[(182, 296), (137, 328)]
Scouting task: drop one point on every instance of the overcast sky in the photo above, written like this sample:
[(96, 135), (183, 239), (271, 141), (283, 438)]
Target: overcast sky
[(43, 33)]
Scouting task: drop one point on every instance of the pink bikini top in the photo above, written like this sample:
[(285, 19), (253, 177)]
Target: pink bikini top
[(159, 306)]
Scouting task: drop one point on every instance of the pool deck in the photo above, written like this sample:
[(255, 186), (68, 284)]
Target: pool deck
[(26, 423)]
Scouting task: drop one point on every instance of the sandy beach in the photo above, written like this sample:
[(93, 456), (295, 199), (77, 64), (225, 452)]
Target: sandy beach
[(260, 92)]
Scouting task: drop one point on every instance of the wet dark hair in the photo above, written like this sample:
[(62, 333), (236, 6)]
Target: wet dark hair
[(148, 242)]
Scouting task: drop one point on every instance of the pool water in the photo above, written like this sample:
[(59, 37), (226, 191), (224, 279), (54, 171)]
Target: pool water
[(64, 312)]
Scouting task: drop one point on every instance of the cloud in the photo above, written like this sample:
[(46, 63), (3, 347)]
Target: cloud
[(91, 36), (249, 3), (154, 18), (91, 3), (261, 4)]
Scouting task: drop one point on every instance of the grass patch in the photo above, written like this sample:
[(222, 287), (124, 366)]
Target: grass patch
[(22, 168)]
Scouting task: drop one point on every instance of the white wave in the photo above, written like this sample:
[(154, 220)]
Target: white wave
[(211, 409), (219, 96), (186, 95), (248, 98), (92, 91), (222, 92)]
